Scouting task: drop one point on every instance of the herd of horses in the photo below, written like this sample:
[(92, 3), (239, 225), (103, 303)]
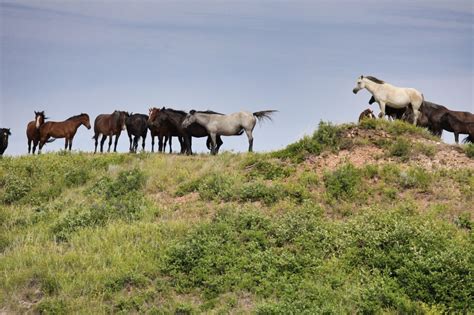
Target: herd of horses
[(409, 104), (165, 123)]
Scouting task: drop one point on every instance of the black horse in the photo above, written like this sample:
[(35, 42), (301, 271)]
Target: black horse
[(4, 134), (137, 127), (175, 118), (458, 123), (394, 113)]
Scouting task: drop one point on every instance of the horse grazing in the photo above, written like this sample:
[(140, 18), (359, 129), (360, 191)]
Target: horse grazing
[(366, 114), (32, 130), (109, 125), (4, 134), (137, 127), (458, 123), (64, 129), (162, 131), (430, 117), (227, 125), (174, 119), (387, 94)]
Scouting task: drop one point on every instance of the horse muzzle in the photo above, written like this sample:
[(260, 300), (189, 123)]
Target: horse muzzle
[(354, 90)]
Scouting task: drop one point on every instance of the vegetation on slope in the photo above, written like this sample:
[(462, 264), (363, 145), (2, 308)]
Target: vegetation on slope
[(264, 233)]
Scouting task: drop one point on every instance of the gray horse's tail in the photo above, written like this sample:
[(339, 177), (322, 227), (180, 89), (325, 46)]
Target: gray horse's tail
[(264, 114), (468, 139)]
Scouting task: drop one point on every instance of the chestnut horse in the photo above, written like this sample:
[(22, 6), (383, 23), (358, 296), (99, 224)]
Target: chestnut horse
[(63, 129), (32, 130), (165, 131), (109, 125)]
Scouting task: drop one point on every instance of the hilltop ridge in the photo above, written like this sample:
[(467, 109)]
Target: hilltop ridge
[(374, 217)]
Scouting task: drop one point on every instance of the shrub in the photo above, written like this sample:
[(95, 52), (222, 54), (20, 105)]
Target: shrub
[(343, 183), (15, 188), (415, 177), (400, 148), (270, 170), (126, 181), (469, 149)]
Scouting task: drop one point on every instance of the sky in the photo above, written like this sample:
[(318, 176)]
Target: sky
[(301, 58)]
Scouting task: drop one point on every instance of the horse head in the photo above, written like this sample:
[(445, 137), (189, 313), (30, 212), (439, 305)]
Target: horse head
[(39, 119), (85, 120), (190, 118), (360, 84), (152, 113)]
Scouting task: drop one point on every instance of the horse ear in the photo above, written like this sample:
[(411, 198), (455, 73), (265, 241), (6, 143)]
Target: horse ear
[(192, 112), (361, 76)]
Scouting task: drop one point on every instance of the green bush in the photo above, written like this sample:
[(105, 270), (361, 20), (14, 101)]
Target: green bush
[(126, 181), (415, 177), (326, 137), (400, 148), (270, 170), (344, 182), (469, 149), (15, 188)]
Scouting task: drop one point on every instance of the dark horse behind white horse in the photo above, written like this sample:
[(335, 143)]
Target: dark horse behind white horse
[(389, 95), (227, 125)]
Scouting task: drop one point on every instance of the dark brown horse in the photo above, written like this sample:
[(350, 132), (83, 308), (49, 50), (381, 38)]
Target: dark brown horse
[(458, 123), (32, 130), (63, 129), (109, 125), (163, 132)]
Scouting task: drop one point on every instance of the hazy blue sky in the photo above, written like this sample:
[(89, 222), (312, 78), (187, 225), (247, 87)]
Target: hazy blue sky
[(300, 57)]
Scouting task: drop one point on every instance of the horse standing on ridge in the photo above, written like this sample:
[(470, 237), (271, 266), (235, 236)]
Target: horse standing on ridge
[(4, 134), (109, 125), (32, 130), (386, 94), (162, 131), (64, 129), (137, 127), (227, 125)]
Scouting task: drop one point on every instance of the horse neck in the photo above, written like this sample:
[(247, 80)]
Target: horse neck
[(372, 87), (202, 119)]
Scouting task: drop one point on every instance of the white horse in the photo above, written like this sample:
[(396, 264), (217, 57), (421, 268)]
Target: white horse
[(393, 96), (227, 125)]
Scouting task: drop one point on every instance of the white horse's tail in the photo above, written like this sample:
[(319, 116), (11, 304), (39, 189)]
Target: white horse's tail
[(264, 114)]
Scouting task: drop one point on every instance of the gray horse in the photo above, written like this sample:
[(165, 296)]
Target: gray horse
[(227, 125)]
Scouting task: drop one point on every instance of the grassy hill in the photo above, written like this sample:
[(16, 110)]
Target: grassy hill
[(368, 218)]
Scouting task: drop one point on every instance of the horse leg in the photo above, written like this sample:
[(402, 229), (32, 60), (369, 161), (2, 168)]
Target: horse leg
[(250, 137), (96, 140), (35, 144), (170, 138), (160, 143), (382, 109), (135, 144), (70, 144), (188, 148), (130, 147), (456, 137), (116, 141), (143, 143), (66, 142), (152, 144), (110, 143), (219, 143), (102, 141), (213, 144), (29, 146)]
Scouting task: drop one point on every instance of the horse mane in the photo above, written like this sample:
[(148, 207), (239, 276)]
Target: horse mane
[(374, 79), (208, 112), (176, 111), (77, 116)]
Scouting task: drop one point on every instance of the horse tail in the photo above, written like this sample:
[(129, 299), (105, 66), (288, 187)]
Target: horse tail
[(50, 140), (469, 139), (264, 114)]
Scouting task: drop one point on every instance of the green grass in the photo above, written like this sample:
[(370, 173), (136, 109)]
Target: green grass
[(236, 233)]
